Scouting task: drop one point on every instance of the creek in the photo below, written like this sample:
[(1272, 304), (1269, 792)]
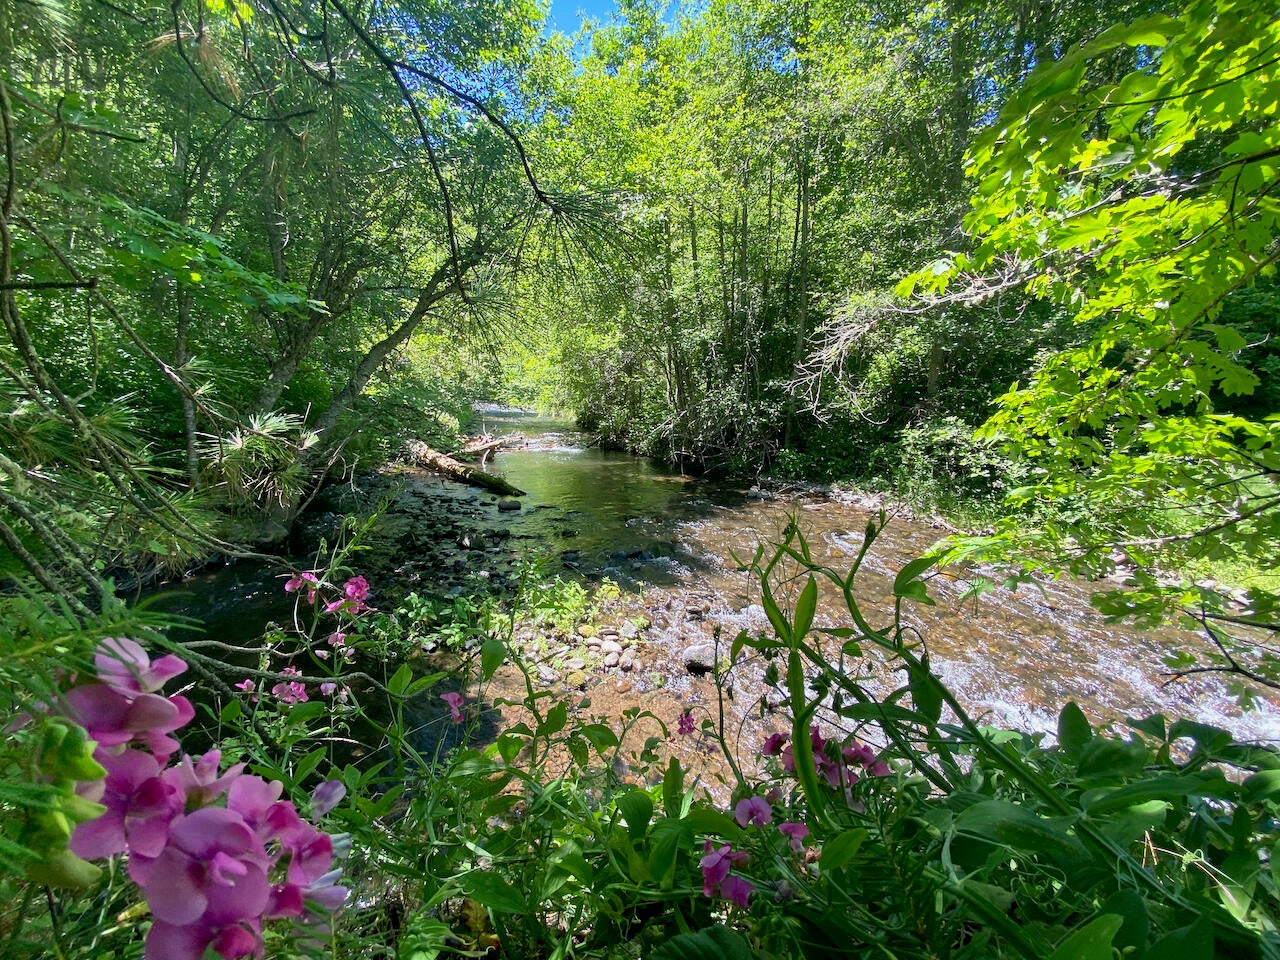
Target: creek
[(669, 542)]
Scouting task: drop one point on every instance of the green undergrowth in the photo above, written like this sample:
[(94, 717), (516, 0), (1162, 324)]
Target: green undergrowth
[(889, 827)]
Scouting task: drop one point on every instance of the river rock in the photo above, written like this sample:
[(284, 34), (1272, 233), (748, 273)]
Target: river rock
[(575, 663), (627, 662), (508, 503), (629, 630), (611, 659), (610, 646), (700, 658), (547, 675)]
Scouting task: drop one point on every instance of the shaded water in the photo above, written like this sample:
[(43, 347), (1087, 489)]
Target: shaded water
[(670, 541)]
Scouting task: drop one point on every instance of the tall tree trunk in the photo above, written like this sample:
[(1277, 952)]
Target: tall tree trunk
[(181, 354)]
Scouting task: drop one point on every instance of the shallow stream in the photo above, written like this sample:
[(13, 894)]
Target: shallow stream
[(669, 541)]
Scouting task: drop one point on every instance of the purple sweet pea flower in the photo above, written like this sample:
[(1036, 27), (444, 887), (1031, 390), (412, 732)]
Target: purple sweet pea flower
[(454, 700), (327, 796), (684, 724), (753, 810), (716, 864), (773, 744), (212, 872), (199, 780), (291, 691), (124, 666), (112, 719), (300, 580), (794, 832), (737, 890), (356, 590), (189, 942), (140, 806)]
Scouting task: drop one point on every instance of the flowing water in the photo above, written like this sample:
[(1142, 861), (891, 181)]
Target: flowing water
[(670, 541)]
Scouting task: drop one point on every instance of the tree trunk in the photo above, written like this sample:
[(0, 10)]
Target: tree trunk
[(461, 471)]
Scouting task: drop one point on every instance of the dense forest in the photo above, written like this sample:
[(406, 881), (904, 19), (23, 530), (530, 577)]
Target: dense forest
[(1008, 260)]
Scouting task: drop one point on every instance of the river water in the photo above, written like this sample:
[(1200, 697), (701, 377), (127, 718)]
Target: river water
[(670, 542)]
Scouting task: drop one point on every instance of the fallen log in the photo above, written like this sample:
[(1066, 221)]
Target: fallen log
[(435, 460)]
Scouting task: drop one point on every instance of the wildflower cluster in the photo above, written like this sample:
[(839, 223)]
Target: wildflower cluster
[(837, 763), (211, 874), (355, 591)]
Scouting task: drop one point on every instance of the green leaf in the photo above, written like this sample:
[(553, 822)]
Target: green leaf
[(636, 808), (557, 718), (710, 943), (601, 736), (1132, 909), (491, 890), (1013, 826), (842, 848), (308, 764), (668, 837), (805, 608), (492, 653), (673, 789), (1102, 757), (1194, 942), (1102, 802), (909, 574), (400, 679), (1073, 730), (1263, 785), (779, 622), (704, 820), (1090, 942), (881, 713)]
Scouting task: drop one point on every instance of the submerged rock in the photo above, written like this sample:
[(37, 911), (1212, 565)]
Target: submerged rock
[(700, 659)]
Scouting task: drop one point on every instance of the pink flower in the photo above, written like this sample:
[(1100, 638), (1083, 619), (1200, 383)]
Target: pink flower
[(124, 666), (753, 810), (356, 590), (773, 744), (684, 724), (199, 780), (858, 753), (205, 871), (716, 864), (140, 806), (454, 701), (246, 685), (299, 580), (354, 593), (336, 639), (213, 872), (794, 832), (788, 759), (327, 796), (112, 718), (817, 740), (292, 691), (737, 890)]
